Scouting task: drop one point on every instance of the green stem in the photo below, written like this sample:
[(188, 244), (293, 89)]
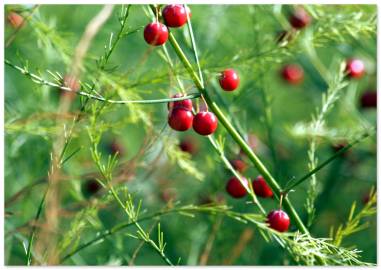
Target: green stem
[(122, 226), (228, 165), (325, 163), (137, 225), (235, 135), (32, 234), (40, 80)]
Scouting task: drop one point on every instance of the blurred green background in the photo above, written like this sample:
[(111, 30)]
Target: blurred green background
[(242, 37)]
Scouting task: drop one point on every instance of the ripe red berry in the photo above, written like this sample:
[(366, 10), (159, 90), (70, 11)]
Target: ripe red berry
[(185, 104), (229, 80), (292, 73), (90, 187), (239, 165), (278, 220), (188, 145), (369, 99), (355, 68), (299, 18), (261, 188), (156, 33), (205, 123), (175, 15), (180, 119), (235, 188), (340, 145), (15, 19)]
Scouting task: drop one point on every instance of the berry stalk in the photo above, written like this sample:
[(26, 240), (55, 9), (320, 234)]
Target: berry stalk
[(236, 136)]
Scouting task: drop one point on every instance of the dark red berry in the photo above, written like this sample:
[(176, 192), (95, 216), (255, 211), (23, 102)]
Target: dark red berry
[(340, 145), (235, 188), (168, 195), (175, 15), (239, 165), (365, 199), (261, 188), (156, 33), (185, 104), (180, 119), (292, 73), (299, 18), (355, 68), (188, 145), (278, 220), (116, 147), (15, 20), (229, 80), (369, 99), (205, 123), (90, 187)]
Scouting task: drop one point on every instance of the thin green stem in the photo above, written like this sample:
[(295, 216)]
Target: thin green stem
[(325, 163), (32, 234), (39, 80), (235, 135), (112, 47), (248, 189), (194, 47), (181, 209)]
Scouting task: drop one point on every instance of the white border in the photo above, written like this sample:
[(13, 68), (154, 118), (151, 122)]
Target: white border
[(374, 2)]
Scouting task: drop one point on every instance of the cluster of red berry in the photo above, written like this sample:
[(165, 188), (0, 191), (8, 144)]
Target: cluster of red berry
[(180, 115), (181, 118), (294, 74), (277, 219), (156, 33)]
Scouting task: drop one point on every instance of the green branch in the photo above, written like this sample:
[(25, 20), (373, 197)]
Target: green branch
[(39, 80), (325, 163), (235, 135)]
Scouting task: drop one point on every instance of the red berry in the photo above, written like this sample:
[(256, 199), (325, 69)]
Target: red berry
[(116, 147), (235, 188), (156, 33), (365, 199), (205, 123), (15, 19), (90, 187), (340, 145), (355, 68), (299, 19), (168, 195), (239, 165), (292, 73), (180, 119), (175, 15), (188, 145), (185, 104), (278, 220), (369, 99), (261, 188), (229, 80)]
